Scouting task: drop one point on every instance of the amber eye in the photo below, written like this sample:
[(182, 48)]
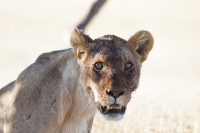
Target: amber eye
[(128, 66), (98, 66)]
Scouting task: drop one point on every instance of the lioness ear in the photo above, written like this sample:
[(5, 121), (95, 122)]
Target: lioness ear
[(141, 44), (80, 43)]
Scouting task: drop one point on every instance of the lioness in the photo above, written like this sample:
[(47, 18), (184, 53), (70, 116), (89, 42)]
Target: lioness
[(61, 91)]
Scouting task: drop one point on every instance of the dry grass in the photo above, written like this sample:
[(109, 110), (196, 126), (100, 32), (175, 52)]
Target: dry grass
[(168, 98)]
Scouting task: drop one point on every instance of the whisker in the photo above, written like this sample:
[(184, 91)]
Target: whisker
[(97, 104), (92, 106), (88, 104)]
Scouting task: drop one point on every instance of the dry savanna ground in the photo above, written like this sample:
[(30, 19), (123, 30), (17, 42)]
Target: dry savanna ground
[(168, 98)]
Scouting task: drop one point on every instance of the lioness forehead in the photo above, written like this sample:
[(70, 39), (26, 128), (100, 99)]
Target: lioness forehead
[(110, 40), (110, 48)]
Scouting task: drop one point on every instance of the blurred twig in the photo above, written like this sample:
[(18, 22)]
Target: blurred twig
[(93, 11)]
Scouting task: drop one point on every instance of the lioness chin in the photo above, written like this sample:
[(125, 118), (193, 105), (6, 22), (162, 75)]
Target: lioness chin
[(61, 91)]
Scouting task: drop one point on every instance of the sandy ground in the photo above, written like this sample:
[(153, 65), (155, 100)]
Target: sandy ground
[(167, 99)]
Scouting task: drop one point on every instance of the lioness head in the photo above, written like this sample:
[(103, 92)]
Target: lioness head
[(111, 68)]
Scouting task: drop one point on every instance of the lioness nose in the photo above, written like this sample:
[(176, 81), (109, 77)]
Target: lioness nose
[(114, 93)]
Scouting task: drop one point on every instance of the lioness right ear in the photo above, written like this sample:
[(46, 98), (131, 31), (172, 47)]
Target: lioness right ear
[(141, 44), (80, 43)]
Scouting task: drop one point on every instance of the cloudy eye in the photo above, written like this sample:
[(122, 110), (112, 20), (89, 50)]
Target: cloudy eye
[(128, 66), (98, 66)]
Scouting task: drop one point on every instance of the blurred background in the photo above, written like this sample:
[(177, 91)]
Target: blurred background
[(168, 98)]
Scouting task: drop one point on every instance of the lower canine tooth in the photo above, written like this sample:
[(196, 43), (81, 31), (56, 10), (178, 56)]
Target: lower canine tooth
[(119, 107), (108, 107)]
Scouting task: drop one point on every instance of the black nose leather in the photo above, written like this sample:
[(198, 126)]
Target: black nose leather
[(114, 93)]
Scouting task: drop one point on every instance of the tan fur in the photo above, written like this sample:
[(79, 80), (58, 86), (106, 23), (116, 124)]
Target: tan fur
[(59, 93)]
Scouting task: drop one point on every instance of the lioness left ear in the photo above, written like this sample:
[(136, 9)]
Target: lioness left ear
[(80, 43), (141, 44)]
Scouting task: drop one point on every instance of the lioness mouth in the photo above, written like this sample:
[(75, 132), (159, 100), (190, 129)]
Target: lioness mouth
[(113, 108)]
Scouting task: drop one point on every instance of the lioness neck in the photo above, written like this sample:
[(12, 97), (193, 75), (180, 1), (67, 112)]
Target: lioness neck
[(81, 108)]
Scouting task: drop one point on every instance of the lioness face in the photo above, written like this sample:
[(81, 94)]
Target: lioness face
[(111, 69), (112, 73)]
